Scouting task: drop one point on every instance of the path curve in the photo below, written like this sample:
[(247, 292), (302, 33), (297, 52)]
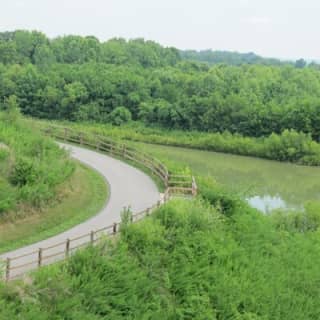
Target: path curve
[(128, 186)]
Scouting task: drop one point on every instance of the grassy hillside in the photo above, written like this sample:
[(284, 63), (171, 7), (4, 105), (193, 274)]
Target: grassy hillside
[(42, 191), (213, 259), (31, 167), (77, 199)]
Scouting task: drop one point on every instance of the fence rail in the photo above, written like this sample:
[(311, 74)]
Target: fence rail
[(16, 267)]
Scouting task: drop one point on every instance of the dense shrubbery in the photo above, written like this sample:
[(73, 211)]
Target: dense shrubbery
[(79, 78), (287, 146), (31, 166), (189, 260)]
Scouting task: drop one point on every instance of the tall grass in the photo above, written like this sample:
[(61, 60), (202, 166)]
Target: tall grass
[(31, 166)]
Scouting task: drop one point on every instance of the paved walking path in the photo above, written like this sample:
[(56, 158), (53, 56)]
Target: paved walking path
[(128, 186)]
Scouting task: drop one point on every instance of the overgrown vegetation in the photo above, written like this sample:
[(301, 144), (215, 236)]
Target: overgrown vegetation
[(77, 199), (288, 146), (212, 258), (31, 166)]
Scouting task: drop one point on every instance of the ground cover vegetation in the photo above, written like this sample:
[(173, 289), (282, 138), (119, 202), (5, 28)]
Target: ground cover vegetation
[(31, 166), (211, 258)]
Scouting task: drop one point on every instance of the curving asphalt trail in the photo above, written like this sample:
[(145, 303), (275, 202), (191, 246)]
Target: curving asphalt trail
[(128, 186)]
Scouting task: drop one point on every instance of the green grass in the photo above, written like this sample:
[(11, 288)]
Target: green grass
[(31, 167), (81, 197)]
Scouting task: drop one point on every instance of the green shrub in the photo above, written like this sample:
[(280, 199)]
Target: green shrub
[(119, 116), (31, 165), (23, 172)]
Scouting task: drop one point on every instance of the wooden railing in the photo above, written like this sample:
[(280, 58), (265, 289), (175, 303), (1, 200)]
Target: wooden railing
[(16, 267)]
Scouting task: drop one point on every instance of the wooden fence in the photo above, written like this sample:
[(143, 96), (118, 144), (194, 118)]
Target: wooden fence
[(16, 267)]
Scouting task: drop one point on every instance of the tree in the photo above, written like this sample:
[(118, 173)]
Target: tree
[(76, 94), (119, 116), (301, 63)]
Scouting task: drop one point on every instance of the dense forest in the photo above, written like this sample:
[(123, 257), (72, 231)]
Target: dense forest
[(229, 57), (81, 78)]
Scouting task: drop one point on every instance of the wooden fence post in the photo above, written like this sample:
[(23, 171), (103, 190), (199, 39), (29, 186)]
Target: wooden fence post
[(8, 263), (81, 138), (48, 132), (39, 257), (194, 187), (167, 195), (92, 237), (114, 228), (148, 211), (166, 182), (97, 145), (67, 248), (158, 204)]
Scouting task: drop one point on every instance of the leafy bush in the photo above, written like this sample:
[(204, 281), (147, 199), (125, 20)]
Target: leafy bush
[(119, 116), (23, 172)]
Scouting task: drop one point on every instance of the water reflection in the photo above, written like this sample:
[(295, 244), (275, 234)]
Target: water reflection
[(268, 203)]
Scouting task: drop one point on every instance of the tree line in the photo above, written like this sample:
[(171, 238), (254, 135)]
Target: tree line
[(82, 79)]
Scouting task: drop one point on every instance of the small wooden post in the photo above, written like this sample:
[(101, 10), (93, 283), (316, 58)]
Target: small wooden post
[(124, 151), (148, 211), (166, 182), (39, 257), (49, 132), (194, 187), (97, 145), (114, 228), (166, 195), (92, 237), (158, 204), (8, 263), (67, 248), (65, 134), (81, 138)]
